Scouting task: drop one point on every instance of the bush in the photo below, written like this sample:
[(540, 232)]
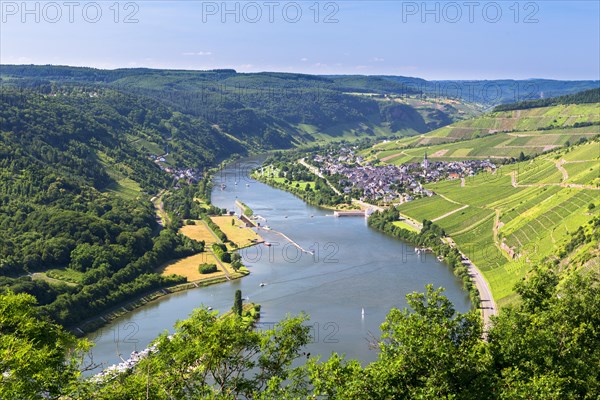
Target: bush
[(207, 268)]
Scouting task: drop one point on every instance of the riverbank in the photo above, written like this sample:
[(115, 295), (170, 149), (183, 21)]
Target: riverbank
[(90, 325), (443, 248)]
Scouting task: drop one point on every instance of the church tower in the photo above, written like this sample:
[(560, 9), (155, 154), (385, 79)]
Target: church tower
[(425, 161)]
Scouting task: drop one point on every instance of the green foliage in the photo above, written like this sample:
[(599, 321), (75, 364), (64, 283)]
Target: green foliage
[(38, 357), (221, 252), (237, 303), (545, 347), (207, 268), (321, 194), (588, 96), (430, 237), (215, 228)]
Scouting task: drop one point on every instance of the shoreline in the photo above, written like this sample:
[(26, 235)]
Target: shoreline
[(484, 293), (91, 325)]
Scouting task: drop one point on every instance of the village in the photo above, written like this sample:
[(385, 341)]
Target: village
[(382, 184)]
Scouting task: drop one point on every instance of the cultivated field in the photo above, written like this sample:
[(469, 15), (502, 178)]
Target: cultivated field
[(188, 267), (199, 232), (495, 135), (518, 216), (238, 233)]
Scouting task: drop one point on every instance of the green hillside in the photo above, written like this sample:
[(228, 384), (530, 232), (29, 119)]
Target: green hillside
[(70, 166), (497, 135), (510, 220), (263, 110)]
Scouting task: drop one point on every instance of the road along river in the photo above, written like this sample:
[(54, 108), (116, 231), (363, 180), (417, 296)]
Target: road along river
[(353, 268)]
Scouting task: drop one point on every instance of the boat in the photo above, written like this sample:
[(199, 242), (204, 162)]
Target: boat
[(235, 183), (267, 244), (363, 312), (209, 308), (223, 186), (247, 185), (262, 284)]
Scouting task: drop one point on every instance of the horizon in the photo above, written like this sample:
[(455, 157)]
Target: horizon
[(432, 40), (293, 73)]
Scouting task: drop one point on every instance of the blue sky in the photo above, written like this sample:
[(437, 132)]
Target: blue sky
[(433, 40)]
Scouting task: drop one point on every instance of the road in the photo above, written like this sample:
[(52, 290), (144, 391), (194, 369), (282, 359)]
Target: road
[(161, 215), (487, 303)]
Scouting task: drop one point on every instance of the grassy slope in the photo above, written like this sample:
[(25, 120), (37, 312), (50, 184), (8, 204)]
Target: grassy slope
[(530, 220), (496, 135)]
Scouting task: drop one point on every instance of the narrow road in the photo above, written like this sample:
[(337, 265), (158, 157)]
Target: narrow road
[(207, 247), (319, 174), (565, 185), (563, 171), (448, 199), (487, 303), (161, 215)]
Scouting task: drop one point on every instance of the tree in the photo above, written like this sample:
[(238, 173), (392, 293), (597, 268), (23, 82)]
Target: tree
[(214, 357), (38, 357), (237, 303), (521, 156)]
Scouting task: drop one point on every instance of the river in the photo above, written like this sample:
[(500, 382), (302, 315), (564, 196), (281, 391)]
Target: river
[(353, 268)]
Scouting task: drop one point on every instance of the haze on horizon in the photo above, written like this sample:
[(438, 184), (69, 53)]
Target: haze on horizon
[(432, 40)]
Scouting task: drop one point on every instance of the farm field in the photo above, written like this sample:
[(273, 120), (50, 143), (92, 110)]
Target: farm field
[(188, 267), (495, 135), (504, 235), (241, 235), (199, 232)]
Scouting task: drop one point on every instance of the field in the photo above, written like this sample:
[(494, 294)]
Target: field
[(495, 135), (123, 186), (199, 232), (188, 267), (406, 226), (518, 216), (238, 233)]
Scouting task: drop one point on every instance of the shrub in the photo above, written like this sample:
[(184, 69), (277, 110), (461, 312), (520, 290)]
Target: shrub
[(207, 268)]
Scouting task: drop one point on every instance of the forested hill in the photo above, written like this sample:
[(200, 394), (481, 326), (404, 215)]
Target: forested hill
[(585, 97), (263, 110), (279, 110), (70, 164)]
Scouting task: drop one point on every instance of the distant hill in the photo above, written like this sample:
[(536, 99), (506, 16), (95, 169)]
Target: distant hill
[(585, 97), (263, 110), (502, 134), (281, 110)]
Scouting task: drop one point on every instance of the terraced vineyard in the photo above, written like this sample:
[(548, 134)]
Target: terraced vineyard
[(508, 220), (496, 135)]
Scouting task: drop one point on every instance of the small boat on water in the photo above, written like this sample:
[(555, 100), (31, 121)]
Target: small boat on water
[(235, 183), (262, 284), (223, 186), (209, 308), (363, 312), (247, 185), (267, 244)]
